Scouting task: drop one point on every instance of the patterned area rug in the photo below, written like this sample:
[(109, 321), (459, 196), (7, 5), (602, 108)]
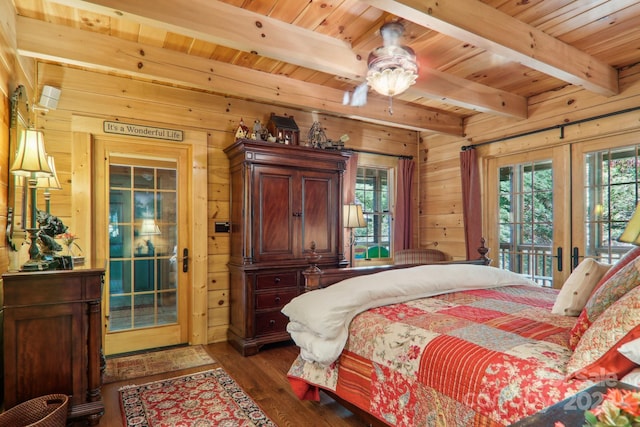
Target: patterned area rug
[(209, 398), (155, 362)]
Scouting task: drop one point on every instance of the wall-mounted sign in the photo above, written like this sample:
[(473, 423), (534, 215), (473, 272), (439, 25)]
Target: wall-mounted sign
[(143, 131)]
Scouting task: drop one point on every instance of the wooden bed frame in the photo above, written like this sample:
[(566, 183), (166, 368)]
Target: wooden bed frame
[(317, 279)]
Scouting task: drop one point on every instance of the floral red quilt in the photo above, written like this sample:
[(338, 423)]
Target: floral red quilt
[(472, 358)]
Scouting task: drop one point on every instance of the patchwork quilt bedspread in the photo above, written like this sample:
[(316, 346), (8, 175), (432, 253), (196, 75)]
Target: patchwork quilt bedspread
[(483, 357)]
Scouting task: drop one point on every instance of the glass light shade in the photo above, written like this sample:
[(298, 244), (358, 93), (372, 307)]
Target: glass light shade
[(391, 82), (392, 68), (631, 233), (353, 216), (51, 182), (149, 228), (31, 158)]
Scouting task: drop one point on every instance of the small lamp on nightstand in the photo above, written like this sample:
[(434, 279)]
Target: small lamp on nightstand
[(31, 163), (353, 218), (631, 233), (49, 183)]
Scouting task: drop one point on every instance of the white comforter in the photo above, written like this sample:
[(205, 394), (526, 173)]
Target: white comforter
[(319, 320)]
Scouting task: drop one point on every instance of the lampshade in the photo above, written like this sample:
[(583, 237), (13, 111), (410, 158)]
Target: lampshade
[(392, 68), (353, 217), (631, 233), (31, 158), (149, 228), (50, 182)]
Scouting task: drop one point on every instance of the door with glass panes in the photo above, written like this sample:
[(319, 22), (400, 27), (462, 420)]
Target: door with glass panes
[(606, 178), (145, 302), (530, 233), (544, 230)]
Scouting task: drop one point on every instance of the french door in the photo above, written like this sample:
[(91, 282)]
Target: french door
[(143, 243), (554, 207), (530, 194), (606, 182)]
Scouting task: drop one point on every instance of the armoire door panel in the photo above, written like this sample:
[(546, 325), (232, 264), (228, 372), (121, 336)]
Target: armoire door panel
[(318, 221), (275, 214)]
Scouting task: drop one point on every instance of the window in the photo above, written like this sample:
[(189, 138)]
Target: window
[(375, 190), (526, 220), (611, 192)]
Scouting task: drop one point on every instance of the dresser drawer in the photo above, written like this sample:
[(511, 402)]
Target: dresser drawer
[(276, 280), (274, 299), (269, 322)]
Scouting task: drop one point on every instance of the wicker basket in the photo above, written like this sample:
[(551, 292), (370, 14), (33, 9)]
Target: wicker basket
[(43, 411)]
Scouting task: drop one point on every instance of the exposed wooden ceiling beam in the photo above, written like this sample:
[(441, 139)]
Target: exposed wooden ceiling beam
[(97, 51), (465, 93), (237, 28), (475, 22), (251, 32)]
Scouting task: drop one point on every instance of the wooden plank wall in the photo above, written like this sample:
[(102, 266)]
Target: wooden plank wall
[(13, 72), (111, 97), (441, 195)]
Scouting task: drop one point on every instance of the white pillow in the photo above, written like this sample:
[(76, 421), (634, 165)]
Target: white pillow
[(632, 378), (577, 289), (631, 350)]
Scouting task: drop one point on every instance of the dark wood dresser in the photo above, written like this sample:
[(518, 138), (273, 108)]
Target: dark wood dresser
[(51, 338), (283, 198)]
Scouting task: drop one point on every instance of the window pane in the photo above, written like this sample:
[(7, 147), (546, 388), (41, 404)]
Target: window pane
[(611, 195), (143, 178), (167, 179), (526, 220), (373, 192), (120, 176)]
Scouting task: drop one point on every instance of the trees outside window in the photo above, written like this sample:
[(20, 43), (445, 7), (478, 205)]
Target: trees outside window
[(373, 191)]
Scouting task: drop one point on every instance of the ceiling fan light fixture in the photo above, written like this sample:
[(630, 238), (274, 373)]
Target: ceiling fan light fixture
[(392, 68)]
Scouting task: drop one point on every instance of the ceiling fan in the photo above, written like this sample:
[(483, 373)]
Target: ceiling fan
[(392, 68)]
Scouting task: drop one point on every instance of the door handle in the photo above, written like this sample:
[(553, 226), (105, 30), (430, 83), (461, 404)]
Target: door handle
[(559, 256), (576, 256), (185, 260)]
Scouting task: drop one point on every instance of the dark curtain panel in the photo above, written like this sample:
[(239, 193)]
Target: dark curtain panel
[(403, 223), (350, 176), (471, 206), (349, 193)]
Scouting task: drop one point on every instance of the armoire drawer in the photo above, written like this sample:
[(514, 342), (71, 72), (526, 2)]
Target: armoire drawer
[(275, 299), (277, 280), (270, 322)]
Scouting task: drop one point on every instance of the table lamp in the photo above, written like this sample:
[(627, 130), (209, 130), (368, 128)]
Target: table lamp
[(353, 218), (631, 233)]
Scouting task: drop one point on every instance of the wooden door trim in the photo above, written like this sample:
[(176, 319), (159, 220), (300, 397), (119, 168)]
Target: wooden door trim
[(82, 168)]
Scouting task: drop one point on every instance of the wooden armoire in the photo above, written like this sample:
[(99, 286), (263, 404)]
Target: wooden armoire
[(283, 198)]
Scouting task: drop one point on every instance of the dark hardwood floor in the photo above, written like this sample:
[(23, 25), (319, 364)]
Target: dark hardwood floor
[(263, 377)]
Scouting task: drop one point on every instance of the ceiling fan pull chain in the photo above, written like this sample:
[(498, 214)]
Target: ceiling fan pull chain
[(391, 105)]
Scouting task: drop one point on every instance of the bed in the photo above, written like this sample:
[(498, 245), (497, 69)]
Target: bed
[(461, 344)]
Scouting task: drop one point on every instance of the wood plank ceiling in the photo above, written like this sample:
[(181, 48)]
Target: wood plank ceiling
[(475, 57)]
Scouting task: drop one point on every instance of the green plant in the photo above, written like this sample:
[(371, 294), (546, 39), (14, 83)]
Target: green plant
[(619, 408)]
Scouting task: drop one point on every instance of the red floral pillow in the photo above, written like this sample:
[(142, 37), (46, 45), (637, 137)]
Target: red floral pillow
[(597, 355), (626, 278), (631, 254)]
